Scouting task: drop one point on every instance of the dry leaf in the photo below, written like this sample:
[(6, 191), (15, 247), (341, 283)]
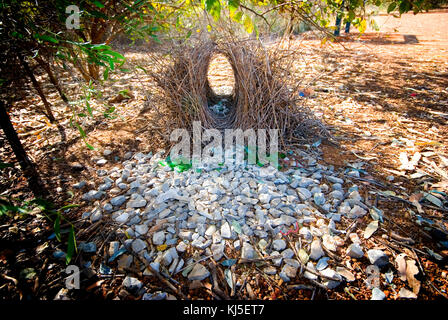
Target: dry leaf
[(405, 293), (415, 199), (401, 266), (371, 228), (411, 271)]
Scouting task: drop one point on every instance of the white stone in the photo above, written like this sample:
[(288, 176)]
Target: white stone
[(355, 251), (158, 238), (225, 231), (138, 245), (199, 272), (279, 244), (316, 250)]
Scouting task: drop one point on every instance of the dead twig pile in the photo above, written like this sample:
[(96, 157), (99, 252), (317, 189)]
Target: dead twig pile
[(261, 97)]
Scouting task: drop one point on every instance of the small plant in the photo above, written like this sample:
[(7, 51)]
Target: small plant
[(55, 216)]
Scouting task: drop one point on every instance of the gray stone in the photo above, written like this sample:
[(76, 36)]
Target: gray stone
[(248, 251), (264, 198), (288, 253), (88, 247), (310, 275), (357, 212), (96, 215), (136, 201), (279, 244), (316, 250), (79, 185), (270, 270), (138, 245), (319, 198), (333, 179), (131, 284), (377, 294), (378, 258), (93, 195), (122, 218), (101, 162), (331, 284), (303, 193), (289, 271), (185, 235), (118, 201), (141, 229), (199, 272), (355, 251), (218, 250), (181, 247), (225, 231), (158, 238)]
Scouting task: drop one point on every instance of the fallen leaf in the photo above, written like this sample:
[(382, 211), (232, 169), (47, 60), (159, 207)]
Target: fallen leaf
[(411, 271), (401, 266), (405, 293), (303, 256), (415, 200), (371, 228)]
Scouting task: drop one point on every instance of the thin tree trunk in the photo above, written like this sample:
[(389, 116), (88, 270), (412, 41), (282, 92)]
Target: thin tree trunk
[(36, 85), (27, 166), (46, 66)]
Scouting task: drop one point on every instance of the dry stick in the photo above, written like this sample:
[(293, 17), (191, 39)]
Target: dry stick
[(195, 262), (38, 88), (232, 269), (212, 265)]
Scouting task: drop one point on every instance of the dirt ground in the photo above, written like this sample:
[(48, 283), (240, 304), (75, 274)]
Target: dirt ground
[(382, 94)]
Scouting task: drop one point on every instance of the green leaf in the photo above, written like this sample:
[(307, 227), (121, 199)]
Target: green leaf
[(405, 6), (57, 227), (141, 68), (69, 206), (214, 8), (89, 146), (237, 17), (233, 5), (106, 74), (248, 24), (71, 245), (391, 7), (47, 38), (81, 130), (6, 165), (89, 108), (98, 4)]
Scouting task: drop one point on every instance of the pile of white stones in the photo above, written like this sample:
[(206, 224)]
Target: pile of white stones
[(236, 206)]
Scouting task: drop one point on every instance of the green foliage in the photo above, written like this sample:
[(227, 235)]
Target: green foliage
[(54, 216)]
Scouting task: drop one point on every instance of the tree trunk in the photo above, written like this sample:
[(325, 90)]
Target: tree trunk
[(36, 85), (27, 166), (46, 66)]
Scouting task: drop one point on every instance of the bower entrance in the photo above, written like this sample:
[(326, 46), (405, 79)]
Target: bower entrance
[(246, 81), (221, 81)]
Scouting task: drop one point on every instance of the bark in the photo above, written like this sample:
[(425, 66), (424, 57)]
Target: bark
[(27, 166), (46, 66), (36, 85)]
